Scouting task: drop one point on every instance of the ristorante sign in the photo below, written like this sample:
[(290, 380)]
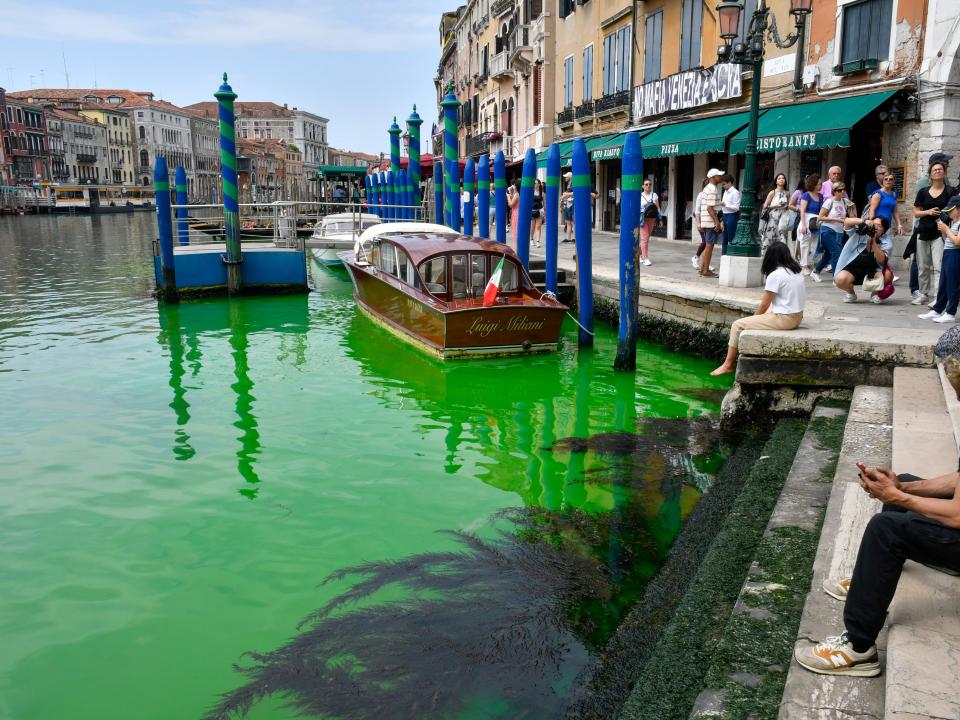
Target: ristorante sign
[(686, 90)]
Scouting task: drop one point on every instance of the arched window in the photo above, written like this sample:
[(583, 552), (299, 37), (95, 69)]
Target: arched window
[(143, 133), (508, 125)]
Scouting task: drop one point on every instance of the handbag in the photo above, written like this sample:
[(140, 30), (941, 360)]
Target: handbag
[(874, 284), (650, 211), (765, 214), (786, 220), (813, 224)]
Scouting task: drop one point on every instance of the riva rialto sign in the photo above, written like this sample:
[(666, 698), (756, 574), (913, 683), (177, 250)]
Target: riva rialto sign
[(686, 90)]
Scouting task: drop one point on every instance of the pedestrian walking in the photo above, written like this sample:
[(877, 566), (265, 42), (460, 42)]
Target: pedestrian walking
[(731, 210), (537, 219), (774, 213), (927, 206), (781, 305), (809, 233), (697, 207), (566, 207), (710, 218), (649, 214), (513, 203), (831, 216), (948, 292)]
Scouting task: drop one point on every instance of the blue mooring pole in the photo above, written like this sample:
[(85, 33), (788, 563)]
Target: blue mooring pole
[(527, 179), (391, 196), (483, 197), (400, 189), (228, 175), (161, 187), (583, 228), (368, 188), (454, 185), (469, 171), (394, 146), (375, 185), (631, 185), (551, 207), (180, 182), (383, 196), (500, 196), (438, 190), (451, 156)]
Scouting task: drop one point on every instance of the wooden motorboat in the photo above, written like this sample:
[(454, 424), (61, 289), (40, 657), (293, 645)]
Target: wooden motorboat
[(425, 283), (337, 232)]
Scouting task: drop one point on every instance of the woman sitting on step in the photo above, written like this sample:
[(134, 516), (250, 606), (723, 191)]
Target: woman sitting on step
[(781, 306)]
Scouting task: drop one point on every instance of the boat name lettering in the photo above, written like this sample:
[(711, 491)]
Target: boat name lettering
[(522, 323), (482, 327)]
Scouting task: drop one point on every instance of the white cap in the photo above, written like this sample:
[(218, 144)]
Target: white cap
[(713, 172)]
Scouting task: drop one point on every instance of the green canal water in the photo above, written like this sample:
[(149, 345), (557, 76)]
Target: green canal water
[(176, 483)]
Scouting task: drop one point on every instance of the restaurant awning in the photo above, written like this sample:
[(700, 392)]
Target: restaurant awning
[(693, 137), (566, 152), (821, 124), (331, 171)]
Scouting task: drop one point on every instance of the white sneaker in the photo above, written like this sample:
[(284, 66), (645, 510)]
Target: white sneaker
[(895, 278), (876, 299), (932, 315), (816, 277), (695, 261), (836, 656), (918, 298), (849, 297), (828, 268), (932, 303), (945, 318), (646, 261)]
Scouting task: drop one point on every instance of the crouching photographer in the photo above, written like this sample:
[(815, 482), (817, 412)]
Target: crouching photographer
[(948, 293), (864, 260)]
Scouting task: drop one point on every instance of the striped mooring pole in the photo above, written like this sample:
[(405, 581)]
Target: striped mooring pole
[(228, 174), (483, 197), (451, 157), (391, 196), (583, 228), (394, 146), (500, 196), (631, 186), (161, 186), (413, 157), (527, 180), (384, 190), (180, 182), (374, 204), (368, 195), (469, 172), (438, 190), (551, 206)]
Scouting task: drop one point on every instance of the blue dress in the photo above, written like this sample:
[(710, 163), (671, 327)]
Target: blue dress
[(888, 203)]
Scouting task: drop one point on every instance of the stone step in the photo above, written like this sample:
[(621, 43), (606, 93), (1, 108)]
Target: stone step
[(867, 438), (923, 644)]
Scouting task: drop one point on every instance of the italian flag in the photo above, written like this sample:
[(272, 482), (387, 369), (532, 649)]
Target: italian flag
[(493, 287)]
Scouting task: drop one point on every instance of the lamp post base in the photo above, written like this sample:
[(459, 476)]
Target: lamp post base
[(740, 272)]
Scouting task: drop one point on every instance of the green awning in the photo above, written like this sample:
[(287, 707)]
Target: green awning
[(821, 124), (607, 147), (328, 170), (693, 137), (566, 152)]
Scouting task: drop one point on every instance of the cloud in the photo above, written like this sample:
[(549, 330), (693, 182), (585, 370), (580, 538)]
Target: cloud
[(374, 26)]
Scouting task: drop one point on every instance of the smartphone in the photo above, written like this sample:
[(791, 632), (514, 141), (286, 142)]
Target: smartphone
[(861, 467)]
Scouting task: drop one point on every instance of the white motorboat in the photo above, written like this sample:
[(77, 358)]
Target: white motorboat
[(336, 233)]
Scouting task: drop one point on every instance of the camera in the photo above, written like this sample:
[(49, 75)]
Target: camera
[(867, 229), (945, 218)]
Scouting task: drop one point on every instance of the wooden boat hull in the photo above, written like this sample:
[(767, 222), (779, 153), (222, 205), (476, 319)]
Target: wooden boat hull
[(475, 331)]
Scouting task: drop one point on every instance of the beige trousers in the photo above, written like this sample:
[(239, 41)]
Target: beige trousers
[(768, 321)]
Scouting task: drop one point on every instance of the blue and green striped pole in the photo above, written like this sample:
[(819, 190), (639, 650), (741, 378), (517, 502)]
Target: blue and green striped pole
[(413, 155), (407, 210), (483, 197), (500, 195), (408, 183), (161, 187), (551, 207), (388, 195), (451, 157), (368, 187), (394, 146), (438, 189), (183, 231), (469, 172), (631, 186), (375, 185), (228, 173), (583, 229), (527, 178), (383, 196)]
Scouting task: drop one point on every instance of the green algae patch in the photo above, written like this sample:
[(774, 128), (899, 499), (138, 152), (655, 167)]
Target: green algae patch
[(829, 432), (674, 673)]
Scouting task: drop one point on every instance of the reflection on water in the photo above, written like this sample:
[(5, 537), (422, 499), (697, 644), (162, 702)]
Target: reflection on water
[(125, 540)]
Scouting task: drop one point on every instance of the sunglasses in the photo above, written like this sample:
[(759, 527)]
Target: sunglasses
[(836, 190)]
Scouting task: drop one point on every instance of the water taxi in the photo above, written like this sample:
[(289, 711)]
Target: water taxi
[(451, 295), (338, 232)]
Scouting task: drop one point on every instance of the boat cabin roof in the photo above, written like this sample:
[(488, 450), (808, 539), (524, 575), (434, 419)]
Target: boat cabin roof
[(347, 217), (425, 242)]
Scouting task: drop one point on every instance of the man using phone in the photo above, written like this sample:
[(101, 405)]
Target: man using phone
[(920, 521)]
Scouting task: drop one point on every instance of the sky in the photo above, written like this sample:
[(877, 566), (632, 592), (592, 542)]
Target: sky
[(358, 63)]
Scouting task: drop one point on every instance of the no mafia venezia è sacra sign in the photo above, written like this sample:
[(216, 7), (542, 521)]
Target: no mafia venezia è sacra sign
[(686, 90)]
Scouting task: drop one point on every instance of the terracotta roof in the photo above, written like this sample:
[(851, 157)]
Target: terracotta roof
[(71, 116), (130, 98), (206, 109)]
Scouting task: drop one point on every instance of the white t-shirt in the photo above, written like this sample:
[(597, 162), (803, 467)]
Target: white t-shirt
[(731, 200), (646, 200), (790, 292)]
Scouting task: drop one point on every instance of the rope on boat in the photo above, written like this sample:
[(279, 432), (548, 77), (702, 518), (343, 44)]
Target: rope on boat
[(553, 296), (579, 325)]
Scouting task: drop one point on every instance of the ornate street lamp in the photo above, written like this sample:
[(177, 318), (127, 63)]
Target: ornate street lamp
[(750, 51)]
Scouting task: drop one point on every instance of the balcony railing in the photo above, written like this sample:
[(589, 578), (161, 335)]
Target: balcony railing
[(614, 102), (86, 157), (565, 116), (500, 64), (501, 7), (476, 144), (584, 110), (520, 39)]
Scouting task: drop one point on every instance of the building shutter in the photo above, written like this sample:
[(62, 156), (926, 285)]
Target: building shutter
[(537, 92), (866, 31)]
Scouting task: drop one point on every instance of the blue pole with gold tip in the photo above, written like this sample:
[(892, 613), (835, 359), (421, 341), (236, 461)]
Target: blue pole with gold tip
[(500, 195), (527, 179), (551, 206), (483, 197), (183, 230), (468, 175), (161, 187), (583, 227), (631, 187), (228, 173)]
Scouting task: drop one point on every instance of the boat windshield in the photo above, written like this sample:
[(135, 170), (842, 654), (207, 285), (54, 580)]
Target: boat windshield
[(468, 274), (335, 227)]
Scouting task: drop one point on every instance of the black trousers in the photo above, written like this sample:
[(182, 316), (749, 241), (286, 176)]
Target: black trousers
[(892, 537)]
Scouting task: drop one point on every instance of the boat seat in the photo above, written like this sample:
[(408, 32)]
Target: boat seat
[(459, 289), (436, 288)]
